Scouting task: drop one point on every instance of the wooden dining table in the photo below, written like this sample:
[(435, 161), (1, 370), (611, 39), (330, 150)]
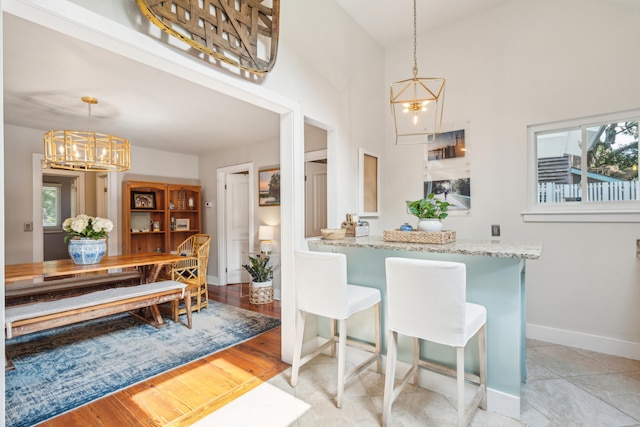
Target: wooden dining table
[(149, 265)]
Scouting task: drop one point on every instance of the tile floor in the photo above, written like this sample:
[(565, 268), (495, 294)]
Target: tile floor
[(565, 387)]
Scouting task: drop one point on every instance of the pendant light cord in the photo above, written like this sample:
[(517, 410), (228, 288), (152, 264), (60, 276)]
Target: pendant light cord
[(415, 56)]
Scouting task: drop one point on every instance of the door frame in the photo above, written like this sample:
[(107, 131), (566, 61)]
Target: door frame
[(221, 174)]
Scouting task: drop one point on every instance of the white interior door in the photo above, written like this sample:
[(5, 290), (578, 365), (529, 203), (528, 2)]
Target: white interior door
[(237, 224), (315, 198)]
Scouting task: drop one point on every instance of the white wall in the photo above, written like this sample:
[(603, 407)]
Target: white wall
[(524, 63), (19, 145)]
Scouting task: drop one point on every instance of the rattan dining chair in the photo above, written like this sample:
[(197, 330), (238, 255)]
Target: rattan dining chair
[(193, 271)]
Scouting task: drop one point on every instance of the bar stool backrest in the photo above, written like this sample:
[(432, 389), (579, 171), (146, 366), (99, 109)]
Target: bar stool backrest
[(321, 283), (427, 299)]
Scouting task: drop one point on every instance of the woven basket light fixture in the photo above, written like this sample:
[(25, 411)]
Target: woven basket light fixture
[(417, 104), (241, 33), (86, 150)]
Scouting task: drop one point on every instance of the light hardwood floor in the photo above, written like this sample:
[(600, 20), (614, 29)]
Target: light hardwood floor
[(186, 394)]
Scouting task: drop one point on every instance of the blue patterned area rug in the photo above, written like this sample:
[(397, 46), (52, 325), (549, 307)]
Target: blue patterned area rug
[(61, 369)]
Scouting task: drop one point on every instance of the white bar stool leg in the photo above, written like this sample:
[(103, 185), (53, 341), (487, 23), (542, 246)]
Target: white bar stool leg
[(416, 361), (332, 333), (376, 320), (342, 350), (297, 350), (460, 384), (482, 358), (390, 374)]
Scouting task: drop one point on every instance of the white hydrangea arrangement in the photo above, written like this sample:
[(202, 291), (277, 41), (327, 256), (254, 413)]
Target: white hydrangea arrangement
[(86, 226)]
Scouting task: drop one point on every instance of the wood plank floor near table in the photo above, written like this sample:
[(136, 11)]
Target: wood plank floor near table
[(187, 394)]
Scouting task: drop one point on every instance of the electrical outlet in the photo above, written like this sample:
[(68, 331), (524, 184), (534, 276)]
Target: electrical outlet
[(495, 231)]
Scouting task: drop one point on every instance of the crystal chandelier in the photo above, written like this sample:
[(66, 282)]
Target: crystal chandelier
[(86, 150), (417, 104)]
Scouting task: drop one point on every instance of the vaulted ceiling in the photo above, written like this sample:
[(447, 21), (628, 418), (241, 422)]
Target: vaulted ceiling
[(45, 73)]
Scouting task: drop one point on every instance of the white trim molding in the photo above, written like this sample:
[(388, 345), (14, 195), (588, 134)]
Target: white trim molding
[(606, 345)]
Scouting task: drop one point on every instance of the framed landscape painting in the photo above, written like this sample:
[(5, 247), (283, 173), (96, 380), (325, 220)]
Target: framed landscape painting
[(269, 187)]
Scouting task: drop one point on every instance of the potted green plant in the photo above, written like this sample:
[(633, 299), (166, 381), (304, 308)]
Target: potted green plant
[(260, 271), (430, 212)]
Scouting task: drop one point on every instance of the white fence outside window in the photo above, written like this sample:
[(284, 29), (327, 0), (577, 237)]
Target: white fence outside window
[(549, 192)]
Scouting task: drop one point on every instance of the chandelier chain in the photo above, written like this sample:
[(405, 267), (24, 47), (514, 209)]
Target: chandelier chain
[(89, 119)]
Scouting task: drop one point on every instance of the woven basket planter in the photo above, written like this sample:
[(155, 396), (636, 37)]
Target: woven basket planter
[(260, 294)]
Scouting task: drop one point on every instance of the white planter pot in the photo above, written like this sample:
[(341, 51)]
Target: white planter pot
[(266, 284), (430, 225)]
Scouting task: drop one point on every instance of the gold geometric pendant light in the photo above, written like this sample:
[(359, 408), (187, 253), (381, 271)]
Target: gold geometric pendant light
[(86, 150), (417, 104)]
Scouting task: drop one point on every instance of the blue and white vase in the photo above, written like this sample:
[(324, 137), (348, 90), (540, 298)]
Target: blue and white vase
[(87, 251)]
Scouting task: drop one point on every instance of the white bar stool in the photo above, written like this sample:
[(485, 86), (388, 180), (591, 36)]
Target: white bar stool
[(427, 300), (321, 289)]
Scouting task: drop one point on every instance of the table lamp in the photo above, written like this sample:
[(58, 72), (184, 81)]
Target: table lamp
[(265, 235)]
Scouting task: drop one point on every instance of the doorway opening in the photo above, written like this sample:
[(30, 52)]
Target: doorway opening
[(59, 201), (315, 180)]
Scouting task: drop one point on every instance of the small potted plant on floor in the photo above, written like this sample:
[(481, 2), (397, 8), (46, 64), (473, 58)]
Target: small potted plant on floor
[(261, 289), (430, 212)]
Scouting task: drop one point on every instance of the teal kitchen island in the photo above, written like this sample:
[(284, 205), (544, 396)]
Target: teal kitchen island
[(495, 279)]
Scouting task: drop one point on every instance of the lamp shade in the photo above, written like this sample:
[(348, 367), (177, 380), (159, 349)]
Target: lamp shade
[(265, 232)]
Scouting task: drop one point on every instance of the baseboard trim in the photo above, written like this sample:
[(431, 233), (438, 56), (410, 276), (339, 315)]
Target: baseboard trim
[(606, 345)]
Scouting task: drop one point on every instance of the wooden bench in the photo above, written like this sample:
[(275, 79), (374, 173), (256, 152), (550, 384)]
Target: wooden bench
[(28, 318), (27, 291)]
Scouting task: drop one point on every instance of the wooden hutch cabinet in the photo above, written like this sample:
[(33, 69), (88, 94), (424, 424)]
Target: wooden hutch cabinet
[(158, 216)]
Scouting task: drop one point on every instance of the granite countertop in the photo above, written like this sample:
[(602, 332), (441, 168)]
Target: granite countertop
[(490, 248)]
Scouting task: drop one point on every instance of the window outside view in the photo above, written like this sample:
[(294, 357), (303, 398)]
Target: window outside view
[(602, 169), (51, 206)]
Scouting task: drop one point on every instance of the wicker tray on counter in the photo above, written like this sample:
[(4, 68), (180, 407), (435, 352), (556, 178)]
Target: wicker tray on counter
[(446, 236)]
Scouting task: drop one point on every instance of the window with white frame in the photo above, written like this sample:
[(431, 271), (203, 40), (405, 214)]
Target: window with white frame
[(582, 165), (51, 205)]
